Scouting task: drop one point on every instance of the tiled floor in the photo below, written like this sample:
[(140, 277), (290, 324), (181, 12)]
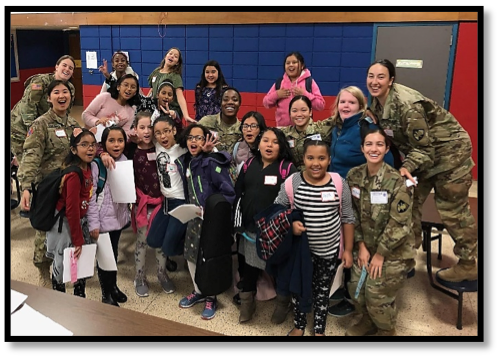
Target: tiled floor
[(422, 310)]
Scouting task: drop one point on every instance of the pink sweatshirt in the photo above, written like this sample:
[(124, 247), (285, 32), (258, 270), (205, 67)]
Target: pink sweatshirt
[(282, 105), (105, 106)]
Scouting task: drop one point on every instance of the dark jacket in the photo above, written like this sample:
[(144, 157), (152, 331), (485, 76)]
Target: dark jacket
[(208, 175), (291, 262)]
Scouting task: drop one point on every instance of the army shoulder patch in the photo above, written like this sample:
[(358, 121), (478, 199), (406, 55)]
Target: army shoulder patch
[(402, 206), (36, 86), (418, 134), (30, 131)]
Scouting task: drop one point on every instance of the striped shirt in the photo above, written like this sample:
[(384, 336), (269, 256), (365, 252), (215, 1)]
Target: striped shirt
[(320, 206)]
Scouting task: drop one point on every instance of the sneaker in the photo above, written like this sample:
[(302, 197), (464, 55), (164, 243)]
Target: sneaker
[(190, 300), (209, 309), (167, 284), (338, 295), (141, 287), (341, 309)]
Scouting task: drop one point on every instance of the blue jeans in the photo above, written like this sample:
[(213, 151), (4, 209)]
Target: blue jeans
[(166, 231)]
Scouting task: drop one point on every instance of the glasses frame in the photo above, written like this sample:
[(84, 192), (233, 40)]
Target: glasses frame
[(196, 138)]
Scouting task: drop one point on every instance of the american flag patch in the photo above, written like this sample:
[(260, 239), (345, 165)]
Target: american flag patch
[(30, 131), (36, 87)]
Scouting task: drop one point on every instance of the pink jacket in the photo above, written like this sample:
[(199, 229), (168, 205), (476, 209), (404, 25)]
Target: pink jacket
[(282, 105), (140, 210)]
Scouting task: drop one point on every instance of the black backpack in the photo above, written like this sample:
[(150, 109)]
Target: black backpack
[(308, 84), (45, 198)]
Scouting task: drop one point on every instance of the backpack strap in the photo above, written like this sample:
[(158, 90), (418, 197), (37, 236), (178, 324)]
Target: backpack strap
[(289, 189), (235, 149), (308, 84), (247, 164), (284, 172), (277, 84), (337, 181), (102, 176)]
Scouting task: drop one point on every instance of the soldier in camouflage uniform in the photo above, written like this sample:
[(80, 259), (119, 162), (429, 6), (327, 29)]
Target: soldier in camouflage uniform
[(438, 151), (383, 238), (226, 125), (45, 148), (307, 128), (34, 102)]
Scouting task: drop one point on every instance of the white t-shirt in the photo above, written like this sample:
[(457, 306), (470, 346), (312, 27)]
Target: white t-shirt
[(171, 184)]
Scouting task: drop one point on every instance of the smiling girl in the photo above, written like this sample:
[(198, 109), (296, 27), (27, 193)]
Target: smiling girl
[(208, 90)]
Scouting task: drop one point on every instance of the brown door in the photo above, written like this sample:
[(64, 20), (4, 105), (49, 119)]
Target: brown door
[(77, 77)]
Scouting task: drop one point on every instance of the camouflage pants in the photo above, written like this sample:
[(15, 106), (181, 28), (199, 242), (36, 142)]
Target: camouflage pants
[(377, 297), (40, 250), (452, 201)]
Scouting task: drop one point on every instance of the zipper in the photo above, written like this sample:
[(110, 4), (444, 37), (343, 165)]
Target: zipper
[(191, 181)]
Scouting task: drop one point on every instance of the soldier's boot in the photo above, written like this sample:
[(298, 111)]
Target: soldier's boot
[(365, 326), (247, 307), (382, 332), (44, 279), (80, 288), (464, 270), (61, 287), (106, 284), (283, 306)]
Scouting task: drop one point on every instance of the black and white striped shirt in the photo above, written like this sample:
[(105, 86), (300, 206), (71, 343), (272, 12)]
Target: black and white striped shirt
[(320, 206)]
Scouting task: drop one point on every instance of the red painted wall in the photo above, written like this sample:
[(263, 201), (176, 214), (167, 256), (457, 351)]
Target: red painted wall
[(464, 94)]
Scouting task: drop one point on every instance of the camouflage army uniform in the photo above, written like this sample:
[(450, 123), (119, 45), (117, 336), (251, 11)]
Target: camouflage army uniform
[(228, 135), (44, 151), (438, 152), (296, 139), (33, 104), (385, 229)]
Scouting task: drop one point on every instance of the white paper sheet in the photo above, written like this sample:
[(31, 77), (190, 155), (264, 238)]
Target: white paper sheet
[(101, 128), (16, 299), (105, 255), (337, 281), (29, 322), (86, 262), (122, 182), (409, 183), (91, 60), (186, 212)]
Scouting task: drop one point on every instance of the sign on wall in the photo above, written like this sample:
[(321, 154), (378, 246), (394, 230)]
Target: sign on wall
[(14, 61)]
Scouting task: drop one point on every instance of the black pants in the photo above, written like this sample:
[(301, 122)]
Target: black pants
[(114, 240), (249, 275)]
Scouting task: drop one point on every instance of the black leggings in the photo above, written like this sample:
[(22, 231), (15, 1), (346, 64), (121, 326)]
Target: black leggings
[(114, 240)]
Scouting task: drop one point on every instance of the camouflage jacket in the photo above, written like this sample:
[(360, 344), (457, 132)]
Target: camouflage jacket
[(228, 135), (385, 227), (33, 104), (296, 139), (430, 136), (45, 148)]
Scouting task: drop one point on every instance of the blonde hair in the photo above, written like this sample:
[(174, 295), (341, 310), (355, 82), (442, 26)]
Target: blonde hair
[(357, 93)]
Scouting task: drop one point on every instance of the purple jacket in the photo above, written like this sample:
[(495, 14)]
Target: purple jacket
[(111, 216), (282, 105), (208, 174)]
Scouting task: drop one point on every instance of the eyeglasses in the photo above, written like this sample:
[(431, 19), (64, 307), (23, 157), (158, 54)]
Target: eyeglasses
[(87, 145), (195, 138), (163, 132), (252, 126)]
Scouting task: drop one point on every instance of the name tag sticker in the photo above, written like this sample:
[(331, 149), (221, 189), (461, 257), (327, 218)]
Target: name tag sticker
[(389, 132), (60, 133), (153, 79), (327, 196), (315, 137), (151, 156), (291, 143), (270, 180), (356, 192), (379, 197), (171, 167)]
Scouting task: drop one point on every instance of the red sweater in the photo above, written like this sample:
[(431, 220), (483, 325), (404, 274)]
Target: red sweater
[(76, 198)]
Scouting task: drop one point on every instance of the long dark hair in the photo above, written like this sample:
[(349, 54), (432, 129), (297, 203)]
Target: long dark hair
[(220, 83), (285, 152), (114, 92), (71, 158)]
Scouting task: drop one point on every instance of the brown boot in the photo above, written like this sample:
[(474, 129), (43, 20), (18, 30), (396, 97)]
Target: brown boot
[(247, 308), (365, 326), (382, 332), (464, 270), (283, 305), (44, 278)]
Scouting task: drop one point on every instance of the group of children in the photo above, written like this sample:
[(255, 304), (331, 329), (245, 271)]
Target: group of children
[(282, 178)]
